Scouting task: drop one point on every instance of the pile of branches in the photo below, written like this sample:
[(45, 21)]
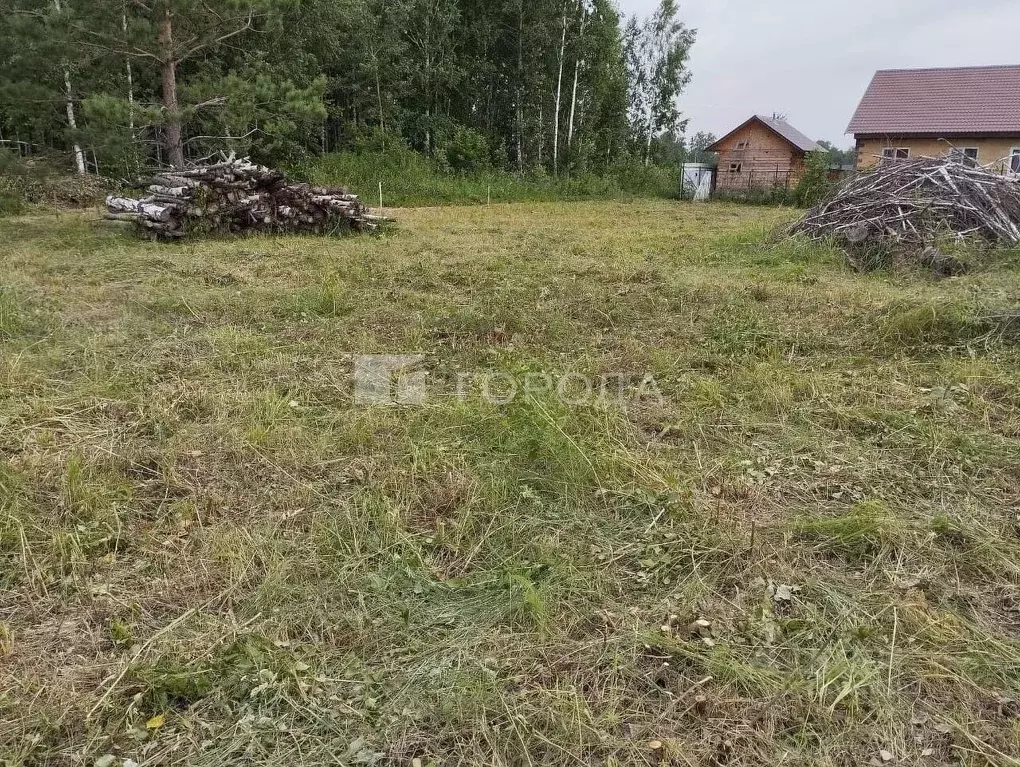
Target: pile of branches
[(912, 204), (237, 196)]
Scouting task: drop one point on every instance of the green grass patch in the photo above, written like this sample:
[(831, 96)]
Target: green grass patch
[(801, 547), (408, 178)]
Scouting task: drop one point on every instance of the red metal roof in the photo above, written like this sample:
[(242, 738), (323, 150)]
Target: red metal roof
[(971, 100)]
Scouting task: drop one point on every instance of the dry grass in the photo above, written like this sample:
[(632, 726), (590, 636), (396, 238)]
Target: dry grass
[(208, 555)]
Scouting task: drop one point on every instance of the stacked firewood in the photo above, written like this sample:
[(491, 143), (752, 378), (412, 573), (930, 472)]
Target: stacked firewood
[(915, 203), (238, 196)]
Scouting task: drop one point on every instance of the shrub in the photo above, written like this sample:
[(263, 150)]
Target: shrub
[(375, 139), (467, 151), (10, 204), (815, 183)]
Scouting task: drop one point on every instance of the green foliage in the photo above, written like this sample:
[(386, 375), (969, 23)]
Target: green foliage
[(839, 157), (467, 151), (466, 83), (814, 185), (109, 118), (264, 115), (11, 183), (10, 204), (696, 149), (656, 52), (408, 178)]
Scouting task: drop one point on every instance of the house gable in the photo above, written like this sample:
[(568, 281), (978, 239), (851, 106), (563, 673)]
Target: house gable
[(789, 135)]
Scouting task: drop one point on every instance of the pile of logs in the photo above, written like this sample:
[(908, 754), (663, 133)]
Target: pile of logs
[(915, 203), (238, 196)]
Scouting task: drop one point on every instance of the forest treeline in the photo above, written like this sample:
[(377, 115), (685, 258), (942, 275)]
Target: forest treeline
[(562, 86)]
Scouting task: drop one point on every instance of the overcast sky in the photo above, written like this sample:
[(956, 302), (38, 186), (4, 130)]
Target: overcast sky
[(813, 59)]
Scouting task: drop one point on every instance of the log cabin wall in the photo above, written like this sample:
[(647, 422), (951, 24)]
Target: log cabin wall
[(755, 157)]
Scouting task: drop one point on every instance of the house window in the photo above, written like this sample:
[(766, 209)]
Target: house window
[(741, 145), (966, 155), (894, 153), (735, 167), (1014, 161)]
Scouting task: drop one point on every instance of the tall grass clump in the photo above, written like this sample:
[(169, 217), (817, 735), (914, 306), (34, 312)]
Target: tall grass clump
[(10, 315)]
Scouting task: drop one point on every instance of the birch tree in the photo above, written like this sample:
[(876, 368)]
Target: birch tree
[(559, 88), (72, 122), (37, 93), (578, 66), (429, 27), (657, 52)]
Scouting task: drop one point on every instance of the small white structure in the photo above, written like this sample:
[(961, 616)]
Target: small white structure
[(696, 180)]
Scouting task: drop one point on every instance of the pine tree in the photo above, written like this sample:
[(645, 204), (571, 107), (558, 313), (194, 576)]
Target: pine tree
[(175, 39)]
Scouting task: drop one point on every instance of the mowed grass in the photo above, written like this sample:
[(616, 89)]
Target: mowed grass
[(209, 555)]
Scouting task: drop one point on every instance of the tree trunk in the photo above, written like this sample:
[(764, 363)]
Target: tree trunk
[(648, 146), (172, 133), (79, 155), (130, 83), (72, 122), (428, 102), (559, 94), (520, 87), (378, 95), (541, 133), (578, 66)]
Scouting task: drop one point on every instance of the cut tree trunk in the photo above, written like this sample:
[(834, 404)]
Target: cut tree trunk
[(237, 196)]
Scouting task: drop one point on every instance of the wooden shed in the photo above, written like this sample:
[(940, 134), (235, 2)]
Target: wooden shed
[(762, 153)]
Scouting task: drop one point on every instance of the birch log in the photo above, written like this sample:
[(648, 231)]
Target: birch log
[(236, 196)]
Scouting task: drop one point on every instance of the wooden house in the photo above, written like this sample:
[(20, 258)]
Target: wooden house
[(762, 153)]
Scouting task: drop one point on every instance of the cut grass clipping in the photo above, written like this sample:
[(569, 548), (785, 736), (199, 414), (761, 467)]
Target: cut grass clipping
[(807, 551)]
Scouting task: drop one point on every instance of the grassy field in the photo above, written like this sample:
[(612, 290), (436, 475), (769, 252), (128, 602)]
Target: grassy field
[(807, 551)]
